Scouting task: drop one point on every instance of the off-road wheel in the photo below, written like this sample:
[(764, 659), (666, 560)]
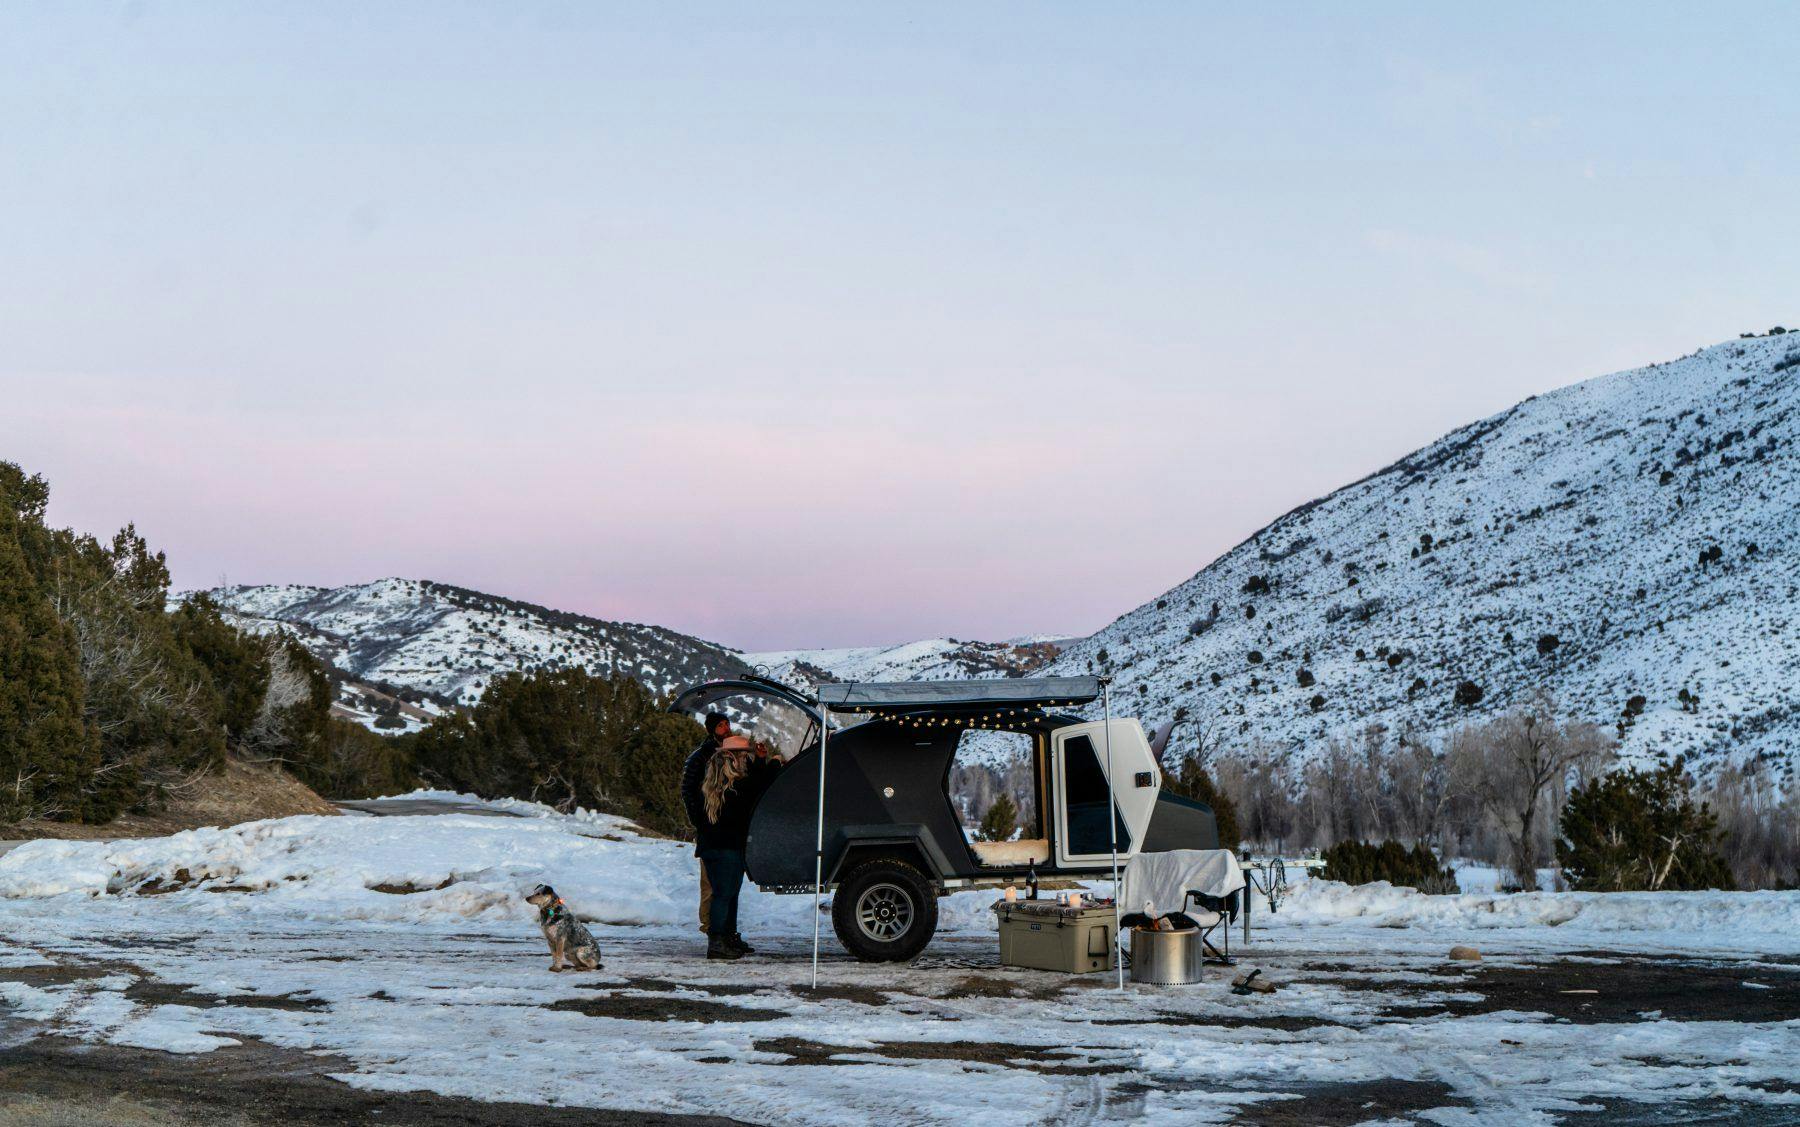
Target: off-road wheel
[(885, 911)]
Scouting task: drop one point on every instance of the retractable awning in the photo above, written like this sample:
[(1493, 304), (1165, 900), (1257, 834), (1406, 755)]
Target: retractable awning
[(1007, 692)]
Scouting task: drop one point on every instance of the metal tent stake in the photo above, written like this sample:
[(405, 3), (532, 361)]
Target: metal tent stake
[(819, 842), (1112, 798)]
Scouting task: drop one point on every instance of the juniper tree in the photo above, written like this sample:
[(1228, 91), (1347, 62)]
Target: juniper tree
[(237, 662), (565, 738), (153, 701), (1640, 831), (295, 706), (47, 749), (1190, 779), (1000, 821), (1359, 862)]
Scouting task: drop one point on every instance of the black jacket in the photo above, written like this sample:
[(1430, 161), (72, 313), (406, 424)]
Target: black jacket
[(732, 830), (693, 773)]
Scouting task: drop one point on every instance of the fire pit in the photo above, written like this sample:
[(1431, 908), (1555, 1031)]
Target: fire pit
[(1167, 958)]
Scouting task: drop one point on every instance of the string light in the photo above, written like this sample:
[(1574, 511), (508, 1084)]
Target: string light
[(1019, 718)]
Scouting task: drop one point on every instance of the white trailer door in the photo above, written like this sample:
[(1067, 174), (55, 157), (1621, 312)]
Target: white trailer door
[(1078, 781)]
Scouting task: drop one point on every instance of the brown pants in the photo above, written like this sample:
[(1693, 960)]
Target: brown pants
[(705, 899)]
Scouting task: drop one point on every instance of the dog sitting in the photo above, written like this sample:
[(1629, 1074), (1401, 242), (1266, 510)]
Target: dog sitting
[(571, 943)]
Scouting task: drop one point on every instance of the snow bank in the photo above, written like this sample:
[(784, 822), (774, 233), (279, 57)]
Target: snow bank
[(444, 866), (458, 865), (1763, 920), (478, 864)]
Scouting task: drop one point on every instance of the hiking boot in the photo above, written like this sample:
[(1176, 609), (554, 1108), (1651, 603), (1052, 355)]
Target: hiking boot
[(743, 948), (718, 947)]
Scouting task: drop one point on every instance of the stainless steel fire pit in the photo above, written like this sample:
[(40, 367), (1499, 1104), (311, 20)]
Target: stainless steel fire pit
[(1167, 958)]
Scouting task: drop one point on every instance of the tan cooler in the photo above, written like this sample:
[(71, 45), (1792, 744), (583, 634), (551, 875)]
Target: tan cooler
[(1045, 936)]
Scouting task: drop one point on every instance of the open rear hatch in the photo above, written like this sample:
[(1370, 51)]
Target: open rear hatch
[(784, 715)]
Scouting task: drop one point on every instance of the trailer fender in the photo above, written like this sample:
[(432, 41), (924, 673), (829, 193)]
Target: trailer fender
[(908, 842)]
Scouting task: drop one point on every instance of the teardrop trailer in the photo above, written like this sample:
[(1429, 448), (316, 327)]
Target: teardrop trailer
[(865, 810)]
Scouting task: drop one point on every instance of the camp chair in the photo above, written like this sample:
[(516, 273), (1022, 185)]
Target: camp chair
[(1200, 887)]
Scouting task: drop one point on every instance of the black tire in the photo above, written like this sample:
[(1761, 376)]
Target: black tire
[(885, 911)]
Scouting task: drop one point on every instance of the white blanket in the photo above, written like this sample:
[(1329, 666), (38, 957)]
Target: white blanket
[(1164, 879)]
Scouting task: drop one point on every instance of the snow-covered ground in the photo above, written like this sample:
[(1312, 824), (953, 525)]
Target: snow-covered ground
[(401, 946)]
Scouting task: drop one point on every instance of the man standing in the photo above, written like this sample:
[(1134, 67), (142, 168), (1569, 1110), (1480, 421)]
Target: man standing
[(692, 773)]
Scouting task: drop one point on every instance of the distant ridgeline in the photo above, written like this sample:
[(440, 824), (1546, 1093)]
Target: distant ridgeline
[(432, 646), (405, 650)]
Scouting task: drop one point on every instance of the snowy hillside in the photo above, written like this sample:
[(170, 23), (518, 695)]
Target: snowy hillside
[(1631, 544), (935, 659), (407, 648), (448, 642)]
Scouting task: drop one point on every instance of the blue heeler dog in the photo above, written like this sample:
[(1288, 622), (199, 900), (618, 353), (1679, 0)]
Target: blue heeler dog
[(570, 941)]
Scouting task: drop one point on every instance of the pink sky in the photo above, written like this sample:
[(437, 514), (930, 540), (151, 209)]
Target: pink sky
[(835, 327)]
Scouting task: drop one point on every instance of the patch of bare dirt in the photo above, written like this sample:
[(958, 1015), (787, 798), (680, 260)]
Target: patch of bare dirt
[(1609, 1111), (151, 991), (1287, 1023), (670, 986), (410, 889), (62, 974), (1339, 1105), (53, 1082), (238, 792), (1053, 1062), (991, 986), (156, 993), (663, 1007), (864, 995), (180, 881), (1596, 992)]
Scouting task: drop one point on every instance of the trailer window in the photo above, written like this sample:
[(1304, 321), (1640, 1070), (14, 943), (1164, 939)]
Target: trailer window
[(987, 765), (1084, 791)]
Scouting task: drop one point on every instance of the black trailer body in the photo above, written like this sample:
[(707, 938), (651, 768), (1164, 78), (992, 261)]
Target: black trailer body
[(892, 839), (886, 789)]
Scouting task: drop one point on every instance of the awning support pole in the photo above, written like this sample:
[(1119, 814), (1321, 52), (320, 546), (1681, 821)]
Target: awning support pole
[(1112, 798), (819, 842)]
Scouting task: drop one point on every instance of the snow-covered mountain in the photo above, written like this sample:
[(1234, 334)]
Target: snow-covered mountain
[(935, 659), (1630, 544), (406, 649), (440, 645)]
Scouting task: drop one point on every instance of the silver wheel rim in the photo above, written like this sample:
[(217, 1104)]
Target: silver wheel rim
[(884, 912)]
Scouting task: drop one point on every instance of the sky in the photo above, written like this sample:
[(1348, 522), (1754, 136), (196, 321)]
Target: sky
[(794, 325)]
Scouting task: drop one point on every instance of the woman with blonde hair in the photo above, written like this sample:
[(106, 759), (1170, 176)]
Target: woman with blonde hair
[(734, 781)]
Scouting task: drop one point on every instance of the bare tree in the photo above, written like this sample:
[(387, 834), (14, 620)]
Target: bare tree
[(1761, 824), (1517, 770), (1419, 792), (1260, 787)]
